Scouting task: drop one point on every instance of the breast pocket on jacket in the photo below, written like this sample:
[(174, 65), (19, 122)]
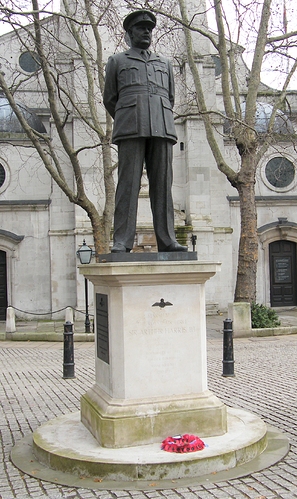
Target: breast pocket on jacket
[(161, 75), (126, 116), (128, 75)]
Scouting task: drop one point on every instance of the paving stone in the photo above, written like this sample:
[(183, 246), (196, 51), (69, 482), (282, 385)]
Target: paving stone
[(32, 391)]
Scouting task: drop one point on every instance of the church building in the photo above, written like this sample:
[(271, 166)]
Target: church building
[(41, 230)]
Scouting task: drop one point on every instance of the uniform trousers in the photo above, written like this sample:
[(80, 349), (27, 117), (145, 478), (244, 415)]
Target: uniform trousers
[(156, 154)]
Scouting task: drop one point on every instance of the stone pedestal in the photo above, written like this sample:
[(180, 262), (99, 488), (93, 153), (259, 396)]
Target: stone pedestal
[(151, 379), (150, 383)]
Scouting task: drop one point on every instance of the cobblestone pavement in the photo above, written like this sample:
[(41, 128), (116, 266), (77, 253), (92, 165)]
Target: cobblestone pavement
[(33, 391)]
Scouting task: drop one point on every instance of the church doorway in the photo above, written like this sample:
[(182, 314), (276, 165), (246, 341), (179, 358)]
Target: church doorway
[(3, 286), (282, 262)]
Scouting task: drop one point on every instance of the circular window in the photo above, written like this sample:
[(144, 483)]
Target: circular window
[(2, 175), (29, 62), (280, 172)]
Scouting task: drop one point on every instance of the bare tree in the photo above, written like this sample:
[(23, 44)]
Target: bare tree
[(251, 145), (263, 29), (68, 51)]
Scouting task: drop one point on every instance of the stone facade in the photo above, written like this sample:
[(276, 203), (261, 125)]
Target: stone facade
[(40, 230)]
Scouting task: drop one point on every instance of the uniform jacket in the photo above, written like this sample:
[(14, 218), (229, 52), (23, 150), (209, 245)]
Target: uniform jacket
[(139, 95)]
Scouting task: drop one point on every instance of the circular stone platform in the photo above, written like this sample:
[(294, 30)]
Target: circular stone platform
[(64, 451)]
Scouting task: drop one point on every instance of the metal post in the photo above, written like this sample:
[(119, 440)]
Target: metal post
[(193, 240), (228, 357), (87, 321), (68, 364)]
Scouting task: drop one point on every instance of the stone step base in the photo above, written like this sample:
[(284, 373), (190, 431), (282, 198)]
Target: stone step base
[(64, 444)]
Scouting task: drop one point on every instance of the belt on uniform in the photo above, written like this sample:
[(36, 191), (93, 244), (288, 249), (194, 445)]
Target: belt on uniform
[(145, 89)]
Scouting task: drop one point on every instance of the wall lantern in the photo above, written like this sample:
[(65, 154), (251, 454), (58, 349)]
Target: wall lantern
[(84, 253)]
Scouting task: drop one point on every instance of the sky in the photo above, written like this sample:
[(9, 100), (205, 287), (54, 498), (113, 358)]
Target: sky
[(51, 5), (284, 14), (283, 19)]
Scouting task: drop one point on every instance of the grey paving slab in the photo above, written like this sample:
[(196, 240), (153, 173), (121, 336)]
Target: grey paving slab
[(32, 391)]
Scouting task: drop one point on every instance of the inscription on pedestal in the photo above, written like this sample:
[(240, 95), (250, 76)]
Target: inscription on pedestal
[(102, 327)]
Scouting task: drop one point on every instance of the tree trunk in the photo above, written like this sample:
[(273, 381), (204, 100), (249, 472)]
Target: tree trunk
[(99, 230), (248, 244), (109, 192)]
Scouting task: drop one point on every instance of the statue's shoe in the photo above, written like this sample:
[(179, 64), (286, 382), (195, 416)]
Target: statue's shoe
[(174, 247), (119, 248)]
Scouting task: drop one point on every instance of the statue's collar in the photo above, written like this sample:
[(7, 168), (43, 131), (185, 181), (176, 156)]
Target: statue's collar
[(135, 53)]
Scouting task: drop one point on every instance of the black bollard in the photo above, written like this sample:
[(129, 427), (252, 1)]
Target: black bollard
[(68, 364), (228, 357), (193, 241)]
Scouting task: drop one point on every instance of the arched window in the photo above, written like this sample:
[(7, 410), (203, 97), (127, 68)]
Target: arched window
[(218, 65)]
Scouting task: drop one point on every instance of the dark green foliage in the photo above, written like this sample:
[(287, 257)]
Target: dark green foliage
[(263, 317)]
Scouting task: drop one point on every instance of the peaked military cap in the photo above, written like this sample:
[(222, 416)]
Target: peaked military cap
[(139, 16)]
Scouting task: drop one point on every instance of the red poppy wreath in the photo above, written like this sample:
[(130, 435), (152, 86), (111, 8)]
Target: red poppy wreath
[(182, 443)]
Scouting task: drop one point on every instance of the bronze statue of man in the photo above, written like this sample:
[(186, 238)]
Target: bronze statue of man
[(139, 95)]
